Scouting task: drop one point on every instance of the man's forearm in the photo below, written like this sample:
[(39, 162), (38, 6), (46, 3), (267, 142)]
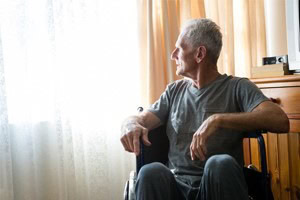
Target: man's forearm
[(145, 119), (269, 118), (134, 119)]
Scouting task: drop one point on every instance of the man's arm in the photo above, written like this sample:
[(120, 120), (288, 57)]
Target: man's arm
[(266, 116), (135, 127)]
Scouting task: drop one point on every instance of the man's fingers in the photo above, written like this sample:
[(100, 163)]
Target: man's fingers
[(201, 144), (131, 138), (145, 137), (130, 144), (200, 154), (200, 148), (196, 153), (125, 145), (197, 150), (204, 149), (136, 144), (193, 156)]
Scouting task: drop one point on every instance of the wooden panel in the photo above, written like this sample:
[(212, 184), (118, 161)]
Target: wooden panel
[(287, 98), (284, 81), (294, 155), (274, 164), (247, 154), (280, 79), (255, 156), (294, 126), (284, 175), (278, 85), (267, 149)]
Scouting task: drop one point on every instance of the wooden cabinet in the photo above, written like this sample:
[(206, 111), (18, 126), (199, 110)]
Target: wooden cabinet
[(283, 150)]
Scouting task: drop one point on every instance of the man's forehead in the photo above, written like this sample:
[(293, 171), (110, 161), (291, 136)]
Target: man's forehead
[(181, 39)]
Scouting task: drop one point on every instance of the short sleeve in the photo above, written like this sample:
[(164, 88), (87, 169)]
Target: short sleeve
[(249, 96), (161, 107)]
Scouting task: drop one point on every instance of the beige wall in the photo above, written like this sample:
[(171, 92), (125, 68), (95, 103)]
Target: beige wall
[(275, 27)]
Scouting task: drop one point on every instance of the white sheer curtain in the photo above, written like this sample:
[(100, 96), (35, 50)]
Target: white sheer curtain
[(68, 77)]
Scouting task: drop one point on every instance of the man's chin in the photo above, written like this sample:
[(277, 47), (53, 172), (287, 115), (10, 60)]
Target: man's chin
[(179, 73)]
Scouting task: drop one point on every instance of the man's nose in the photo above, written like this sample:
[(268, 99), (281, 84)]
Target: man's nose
[(173, 55)]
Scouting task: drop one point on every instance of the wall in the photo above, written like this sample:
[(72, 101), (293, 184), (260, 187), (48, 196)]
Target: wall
[(275, 27)]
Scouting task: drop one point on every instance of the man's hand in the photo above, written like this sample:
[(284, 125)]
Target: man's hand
[(198, 147), (130, 136)]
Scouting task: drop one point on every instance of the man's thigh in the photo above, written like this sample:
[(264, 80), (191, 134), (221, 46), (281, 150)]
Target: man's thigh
[(156, 181), (223, 178)]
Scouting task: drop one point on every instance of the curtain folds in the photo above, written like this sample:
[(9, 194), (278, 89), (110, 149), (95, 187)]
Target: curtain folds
[(242, 24), (65, 72), (6, 185)]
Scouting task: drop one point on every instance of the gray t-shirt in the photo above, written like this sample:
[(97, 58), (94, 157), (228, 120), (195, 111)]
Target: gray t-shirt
[(183, 108)]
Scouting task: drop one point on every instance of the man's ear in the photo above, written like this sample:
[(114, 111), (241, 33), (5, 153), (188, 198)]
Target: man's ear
[(200, 53)]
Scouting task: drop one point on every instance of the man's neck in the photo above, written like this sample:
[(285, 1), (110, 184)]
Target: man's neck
[(205, 76)]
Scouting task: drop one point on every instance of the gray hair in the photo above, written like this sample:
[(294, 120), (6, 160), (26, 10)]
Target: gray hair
[(204, 32)]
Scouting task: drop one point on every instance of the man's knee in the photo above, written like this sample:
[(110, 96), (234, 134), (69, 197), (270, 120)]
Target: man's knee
[(223, 177), (220, 164), (153, 171), (156, 181)]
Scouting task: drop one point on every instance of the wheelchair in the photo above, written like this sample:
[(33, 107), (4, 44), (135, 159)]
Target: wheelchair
[(258, 182)]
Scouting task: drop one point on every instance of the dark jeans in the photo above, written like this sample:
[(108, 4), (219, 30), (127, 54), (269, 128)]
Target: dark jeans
[(223, 178)]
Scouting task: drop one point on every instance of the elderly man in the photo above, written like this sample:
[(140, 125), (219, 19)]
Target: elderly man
[(205, 114)]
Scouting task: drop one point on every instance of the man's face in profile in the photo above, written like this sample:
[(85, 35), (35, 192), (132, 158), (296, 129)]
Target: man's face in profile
[(184, 56)]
